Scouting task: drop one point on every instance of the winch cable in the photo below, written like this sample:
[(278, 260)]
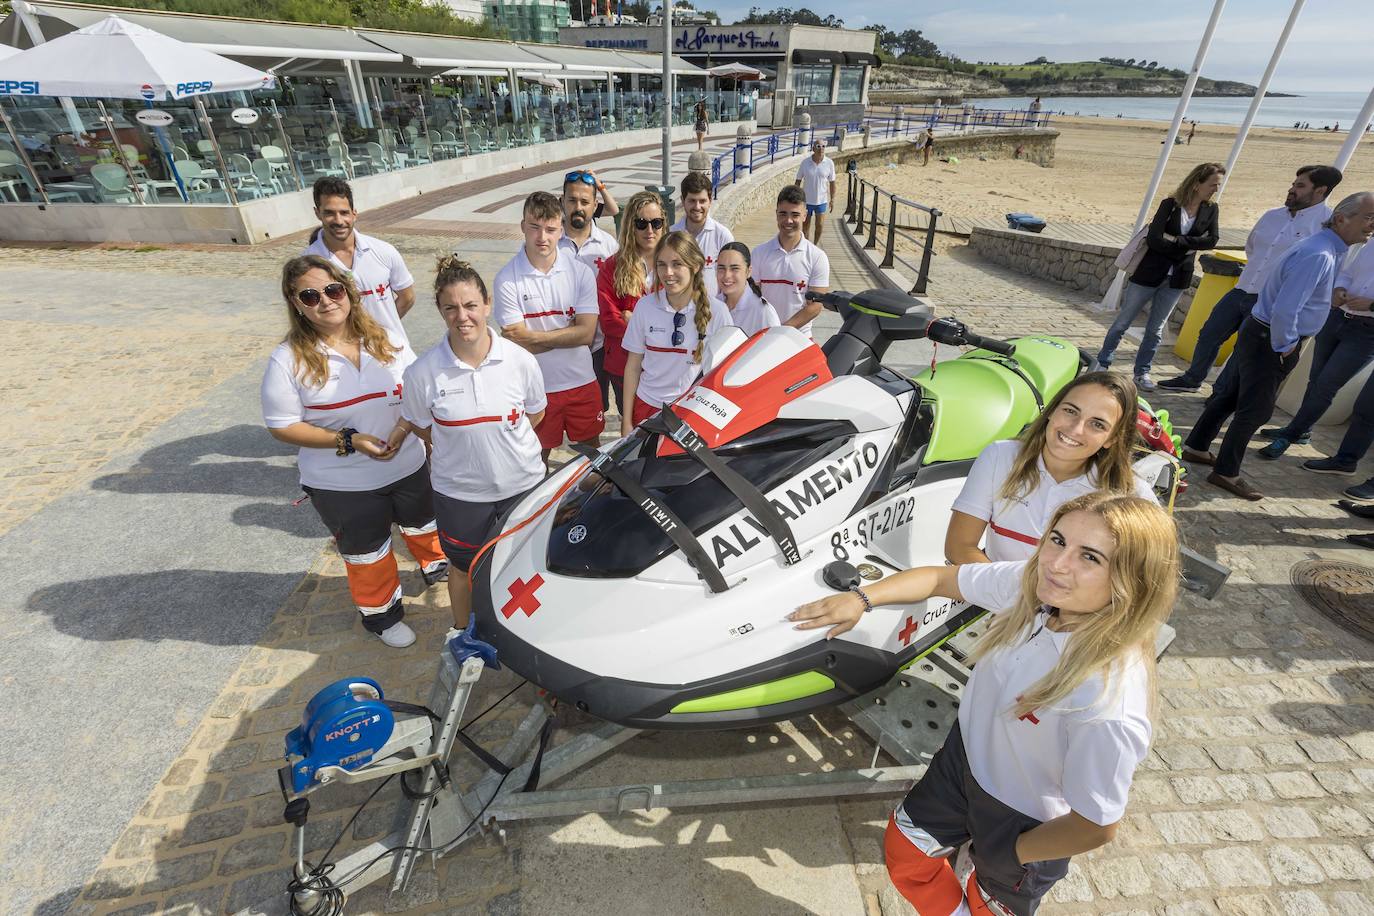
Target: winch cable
[(331, 893)]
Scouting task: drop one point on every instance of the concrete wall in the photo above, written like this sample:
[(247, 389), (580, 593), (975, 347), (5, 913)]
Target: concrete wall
[(271, 217)]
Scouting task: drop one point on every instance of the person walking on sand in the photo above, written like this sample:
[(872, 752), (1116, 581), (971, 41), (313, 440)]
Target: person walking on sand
[(1192, 129), (1292, 307), (816, 177), (1301, 216), (1186, 222)]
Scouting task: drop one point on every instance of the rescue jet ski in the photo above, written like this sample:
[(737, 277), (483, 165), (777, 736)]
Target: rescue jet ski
[(647, 583)]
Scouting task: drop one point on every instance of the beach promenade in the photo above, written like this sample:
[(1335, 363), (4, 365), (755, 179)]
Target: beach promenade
[(171, 613)]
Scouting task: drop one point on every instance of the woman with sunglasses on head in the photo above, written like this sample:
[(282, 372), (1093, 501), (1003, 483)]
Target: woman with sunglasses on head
[(476, 398), (741, 293), (1056, 716), (333, 390), (623, 279), (1079, 443), (668, 329)]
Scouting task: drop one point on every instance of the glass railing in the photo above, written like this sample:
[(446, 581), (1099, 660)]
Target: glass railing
[(250, 146)]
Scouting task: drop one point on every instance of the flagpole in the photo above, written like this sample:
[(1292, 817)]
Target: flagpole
[(1113, 295)]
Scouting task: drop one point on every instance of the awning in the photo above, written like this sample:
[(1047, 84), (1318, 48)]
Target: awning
[(654, 62), (861, 59), (830, 58), (592, 60), (442, 52), (220, 34)]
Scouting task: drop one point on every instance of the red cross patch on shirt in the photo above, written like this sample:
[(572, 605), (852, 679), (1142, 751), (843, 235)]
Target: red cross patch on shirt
[(379, 291)]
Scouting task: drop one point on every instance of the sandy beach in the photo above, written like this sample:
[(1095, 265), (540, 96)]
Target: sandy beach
[(1103, 166)]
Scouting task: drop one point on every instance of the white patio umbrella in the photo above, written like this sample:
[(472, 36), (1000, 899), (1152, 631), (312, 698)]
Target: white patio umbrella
[(121, 60), (736, 71)]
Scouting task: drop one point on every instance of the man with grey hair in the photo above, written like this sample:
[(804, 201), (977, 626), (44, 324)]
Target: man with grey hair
[(1293, 305)]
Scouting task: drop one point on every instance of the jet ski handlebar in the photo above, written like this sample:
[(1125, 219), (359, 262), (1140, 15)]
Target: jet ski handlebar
[(952, 331)]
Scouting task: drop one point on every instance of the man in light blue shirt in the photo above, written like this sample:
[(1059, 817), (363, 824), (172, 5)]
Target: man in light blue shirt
[(1293, 305)]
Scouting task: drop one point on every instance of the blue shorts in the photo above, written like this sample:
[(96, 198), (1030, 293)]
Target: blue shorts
[(812, 209)]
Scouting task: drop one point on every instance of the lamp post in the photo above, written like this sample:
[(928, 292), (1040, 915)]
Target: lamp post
[(667, 92)]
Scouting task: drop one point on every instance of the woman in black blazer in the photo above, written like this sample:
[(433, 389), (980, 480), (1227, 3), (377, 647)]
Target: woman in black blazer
[(1185, 222)]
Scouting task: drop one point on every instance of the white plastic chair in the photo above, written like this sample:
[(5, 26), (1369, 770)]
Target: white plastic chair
[(112, 184), (266, 177)]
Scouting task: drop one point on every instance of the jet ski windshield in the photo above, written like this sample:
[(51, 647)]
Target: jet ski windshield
[(599, 532)]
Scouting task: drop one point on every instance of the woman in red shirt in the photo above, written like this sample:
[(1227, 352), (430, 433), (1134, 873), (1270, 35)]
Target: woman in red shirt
[(623, 278)]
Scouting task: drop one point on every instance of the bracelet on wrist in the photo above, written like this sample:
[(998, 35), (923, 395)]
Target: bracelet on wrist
[(868, 605), (343, 442)]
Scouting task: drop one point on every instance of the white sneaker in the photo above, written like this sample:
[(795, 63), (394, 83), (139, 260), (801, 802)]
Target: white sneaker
[(398, 635)]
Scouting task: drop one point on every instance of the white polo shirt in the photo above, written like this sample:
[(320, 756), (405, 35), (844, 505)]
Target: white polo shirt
[(366, 397), (1016, 526), (815, 178), (711, 239), (484, 447), (598, 248), (1273, 234), (548, 302), (751, 314), (1080, 755), (379, 272), (1357, 279), (668, 370), (786, 275)]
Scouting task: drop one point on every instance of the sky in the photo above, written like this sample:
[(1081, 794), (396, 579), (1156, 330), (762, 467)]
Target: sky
[(1331, 49)]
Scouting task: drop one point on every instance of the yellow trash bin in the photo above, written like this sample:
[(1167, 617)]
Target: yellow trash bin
[(1220, 270)]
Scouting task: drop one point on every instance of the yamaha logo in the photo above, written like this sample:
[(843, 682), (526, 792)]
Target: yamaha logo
[(577, 534)]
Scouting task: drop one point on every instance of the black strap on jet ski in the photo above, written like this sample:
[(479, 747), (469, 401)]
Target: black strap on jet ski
[(481, 753), (757, 504), (666, 519)]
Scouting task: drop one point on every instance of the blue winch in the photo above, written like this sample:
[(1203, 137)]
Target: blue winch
[(345, 724)]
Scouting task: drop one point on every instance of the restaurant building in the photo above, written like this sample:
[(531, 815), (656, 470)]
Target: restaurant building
[(821, 70)]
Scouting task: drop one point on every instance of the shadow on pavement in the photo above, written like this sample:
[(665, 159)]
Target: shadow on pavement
[(189, 466)]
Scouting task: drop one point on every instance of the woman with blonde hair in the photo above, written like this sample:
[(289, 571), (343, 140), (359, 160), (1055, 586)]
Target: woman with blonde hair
[(333, 390), (1056, 715), (668, 329), (624, 278), (1079, 443), (1186, 221)]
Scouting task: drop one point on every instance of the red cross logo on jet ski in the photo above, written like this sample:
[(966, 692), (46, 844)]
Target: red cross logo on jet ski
[(522, 597), (908, 631)]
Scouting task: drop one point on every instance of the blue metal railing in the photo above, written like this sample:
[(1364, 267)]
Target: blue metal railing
[(901, 121)]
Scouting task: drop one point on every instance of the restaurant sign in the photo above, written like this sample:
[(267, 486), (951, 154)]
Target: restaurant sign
[(728, 39)]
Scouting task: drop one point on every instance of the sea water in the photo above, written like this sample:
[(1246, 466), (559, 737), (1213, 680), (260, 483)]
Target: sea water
[(1321, 109)]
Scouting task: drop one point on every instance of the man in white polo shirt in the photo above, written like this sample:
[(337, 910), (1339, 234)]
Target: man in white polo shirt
[(545, 301), (816, 178), (1301, 216), (696, 220), (788, 266), (386, 286), (590, 244)]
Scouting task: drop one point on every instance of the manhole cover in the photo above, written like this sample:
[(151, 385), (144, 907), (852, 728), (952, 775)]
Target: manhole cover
[(1344, 592)]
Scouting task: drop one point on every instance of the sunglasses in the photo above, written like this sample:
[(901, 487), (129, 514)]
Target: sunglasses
[(641, 223), (579, 175), (336, 292), (679, 319)]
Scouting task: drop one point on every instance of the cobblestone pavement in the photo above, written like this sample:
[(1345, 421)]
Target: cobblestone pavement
[(1257, 798)]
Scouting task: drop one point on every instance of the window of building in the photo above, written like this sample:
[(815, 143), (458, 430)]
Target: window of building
[(812, 83), (851, 84)]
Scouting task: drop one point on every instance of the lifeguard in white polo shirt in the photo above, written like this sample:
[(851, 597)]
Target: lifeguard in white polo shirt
[(377, 269), (1081, 442), (591, 245), (333, 389), (788, 267), (477, 399), (741, 293), (696, 221), (668, 329), (545, 301), (1056, 716)]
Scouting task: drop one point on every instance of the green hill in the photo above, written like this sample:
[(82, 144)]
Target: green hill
[(1108, 76)]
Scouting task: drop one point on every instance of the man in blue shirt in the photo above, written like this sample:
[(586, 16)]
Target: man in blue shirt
[(1293, 305)]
